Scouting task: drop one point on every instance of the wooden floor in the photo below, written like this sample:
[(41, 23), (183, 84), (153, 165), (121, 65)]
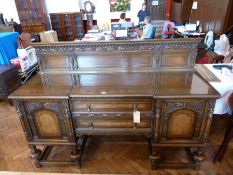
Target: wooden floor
[(104, 155)]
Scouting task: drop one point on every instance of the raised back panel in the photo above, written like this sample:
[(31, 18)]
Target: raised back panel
[(176, 58), (56, 62), (113, 80), (57, 79), (177, 79), (47, 124), (115, 60), (181, 124)]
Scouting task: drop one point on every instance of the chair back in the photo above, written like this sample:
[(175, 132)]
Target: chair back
[(230, 103), (166, 29), (153, 33)]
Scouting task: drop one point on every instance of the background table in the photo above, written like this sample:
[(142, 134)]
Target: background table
[(224, 87), (8, 46)]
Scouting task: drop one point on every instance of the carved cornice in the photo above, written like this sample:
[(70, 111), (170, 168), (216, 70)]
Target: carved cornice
[(85, 47)]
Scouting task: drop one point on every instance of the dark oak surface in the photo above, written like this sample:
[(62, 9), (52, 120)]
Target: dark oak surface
[(161, 84), (101, 88), (108, 155), (35, 89)]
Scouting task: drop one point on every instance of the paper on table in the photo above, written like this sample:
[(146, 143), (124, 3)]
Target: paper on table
[(225, 88)]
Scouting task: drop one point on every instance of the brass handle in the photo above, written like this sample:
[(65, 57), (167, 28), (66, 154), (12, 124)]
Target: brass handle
[(91, 125), (135, 126), (89, 108)]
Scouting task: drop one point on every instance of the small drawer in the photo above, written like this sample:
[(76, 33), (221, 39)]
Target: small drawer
[(105, 120), (98, 123), (111, 105)]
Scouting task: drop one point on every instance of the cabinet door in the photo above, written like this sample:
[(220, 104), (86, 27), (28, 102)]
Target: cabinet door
[(46, 121), (183, 120), (57, 25), (68, 27), (157, 9), (78, 25)]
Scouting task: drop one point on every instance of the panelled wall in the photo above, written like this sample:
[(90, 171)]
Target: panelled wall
[(213, 15)]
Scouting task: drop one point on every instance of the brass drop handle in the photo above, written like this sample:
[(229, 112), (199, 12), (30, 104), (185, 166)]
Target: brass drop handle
[(135, 126), (89, 108), (91, 125)]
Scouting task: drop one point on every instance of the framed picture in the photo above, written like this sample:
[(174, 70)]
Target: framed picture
[(119, 5)]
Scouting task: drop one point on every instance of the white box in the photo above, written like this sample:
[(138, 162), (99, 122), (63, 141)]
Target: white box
[(30, 53), (22, 63), (48, 36)]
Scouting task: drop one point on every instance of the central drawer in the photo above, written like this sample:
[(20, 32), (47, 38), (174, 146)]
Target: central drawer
[(111, 105), (110, 121), (112, 124)]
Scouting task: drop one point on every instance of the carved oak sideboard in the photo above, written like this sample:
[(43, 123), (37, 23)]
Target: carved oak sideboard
[(88, 89)]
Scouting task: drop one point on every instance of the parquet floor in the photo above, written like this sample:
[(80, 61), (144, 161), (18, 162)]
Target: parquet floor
[(104, 155)]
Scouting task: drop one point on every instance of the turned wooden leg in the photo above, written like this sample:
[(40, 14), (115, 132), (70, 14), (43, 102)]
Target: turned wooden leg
[(75, 156), (35, 155), (222, 149), (154, 158), (198, 157), (77, 152)]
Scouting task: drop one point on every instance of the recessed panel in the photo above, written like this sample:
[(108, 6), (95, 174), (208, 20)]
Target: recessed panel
[(181, 124), (47, 124)]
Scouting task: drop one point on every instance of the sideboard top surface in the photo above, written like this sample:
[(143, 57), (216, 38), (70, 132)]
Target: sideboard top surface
[(164, 84), (34, 88)]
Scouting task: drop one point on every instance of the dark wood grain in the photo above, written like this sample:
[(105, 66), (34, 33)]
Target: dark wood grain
[(94, 88)]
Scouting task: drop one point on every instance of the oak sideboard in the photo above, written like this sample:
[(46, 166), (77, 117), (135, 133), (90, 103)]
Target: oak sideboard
[(146, 88)]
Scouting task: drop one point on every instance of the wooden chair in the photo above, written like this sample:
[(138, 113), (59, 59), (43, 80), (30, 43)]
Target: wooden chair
[(211, 58), (228, 136)]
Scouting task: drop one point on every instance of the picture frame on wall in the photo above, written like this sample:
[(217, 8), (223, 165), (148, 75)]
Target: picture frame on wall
[(119, 5)]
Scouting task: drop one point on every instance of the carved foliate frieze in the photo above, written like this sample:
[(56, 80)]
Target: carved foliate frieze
[(31, 106), (174, 106), (196, 106), (115, 46), (52, 106)]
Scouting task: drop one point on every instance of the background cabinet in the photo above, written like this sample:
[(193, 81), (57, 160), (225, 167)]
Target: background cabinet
[(9, 80), (69, 26), (157, 9), (214, 16), (32, 15), (180, 10)]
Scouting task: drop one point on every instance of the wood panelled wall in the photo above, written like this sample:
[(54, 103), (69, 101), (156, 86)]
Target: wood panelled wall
[(213, 14)]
